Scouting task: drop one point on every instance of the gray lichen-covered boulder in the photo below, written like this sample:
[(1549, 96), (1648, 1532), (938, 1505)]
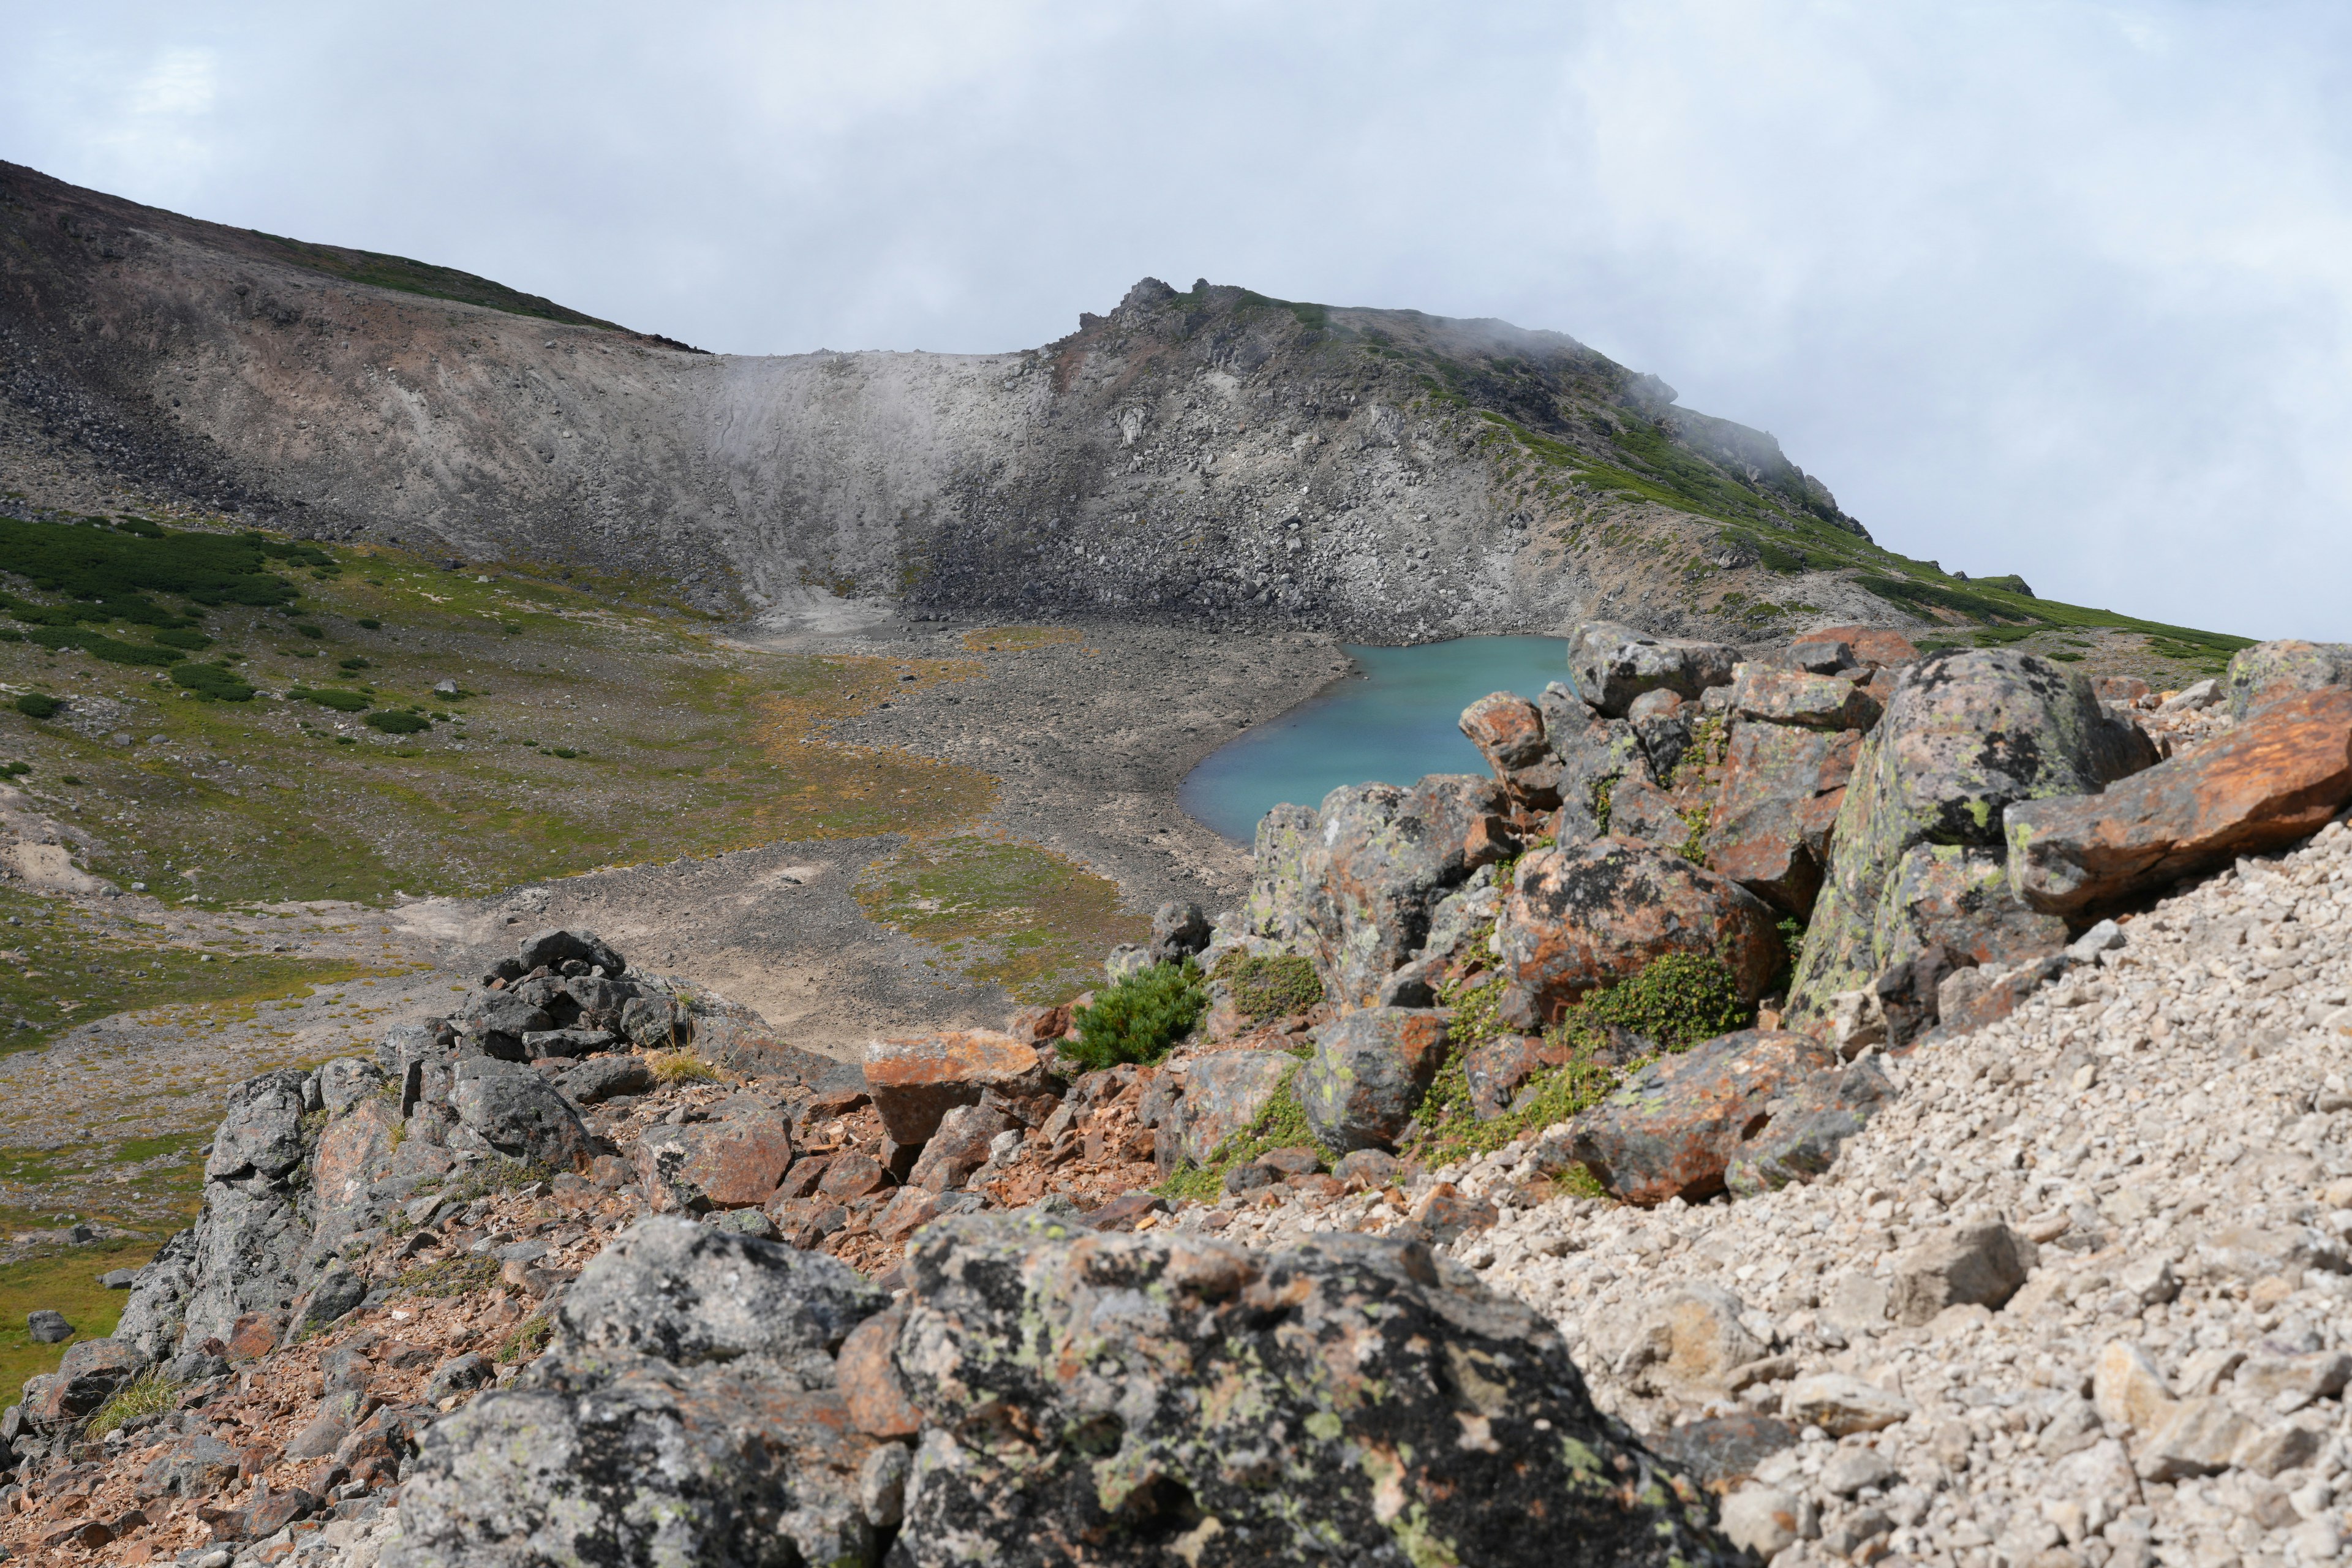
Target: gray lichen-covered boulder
[(1919, 854), (1369, 1072), (1276, 910), (513, 1111), (685, 1414), (1596, 754), (2270, 671), (246, 1252), (1611, 665), (1121, 1399), (1377, 863)]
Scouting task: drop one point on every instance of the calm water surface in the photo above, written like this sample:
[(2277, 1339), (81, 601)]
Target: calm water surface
[(1392, 721)]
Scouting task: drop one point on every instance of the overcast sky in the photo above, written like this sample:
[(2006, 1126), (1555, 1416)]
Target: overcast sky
[(2045, 288)]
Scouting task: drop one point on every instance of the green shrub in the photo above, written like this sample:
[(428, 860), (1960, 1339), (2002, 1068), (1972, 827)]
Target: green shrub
[(37, 705), (1139, 1018), (564, 752), (69, 779), (15, 770), (186, 637), (529, 1338), (369, 622), (1269, 987), (108, 648), (308, 630), (397, 722), (332, 697), (214, 682), (354, 662), (108, 576)]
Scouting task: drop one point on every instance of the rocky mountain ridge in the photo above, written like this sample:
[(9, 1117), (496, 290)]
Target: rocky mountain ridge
[(1210, 456)]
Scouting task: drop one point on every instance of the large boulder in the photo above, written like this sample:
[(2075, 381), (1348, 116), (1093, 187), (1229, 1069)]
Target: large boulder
[(1380, 863), (1611, 665), (246, 1254), (1782, 784), (685, 1414), (2278, 777), (917, 1078), (1580, 918), (511, 1109), (2269, 672), (1123, 1399), (1918, 855), (1676, 1128), (1369, 1074)]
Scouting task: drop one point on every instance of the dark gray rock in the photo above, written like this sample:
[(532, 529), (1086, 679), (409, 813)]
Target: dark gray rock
[(554, 948), (338, 1292), (47, 1328), (599, 1078), (513, 1110), (1357, 1400), (652, 1022), (566, 1043), (1369, 1074), (1596, 754), (459, 1374), (497, 1021), (159, 1294)]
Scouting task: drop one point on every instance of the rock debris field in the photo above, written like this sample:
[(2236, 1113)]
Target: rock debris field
[(2158, 1144)]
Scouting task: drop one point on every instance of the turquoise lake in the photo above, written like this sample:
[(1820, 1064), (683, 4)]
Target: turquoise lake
[(1391, 721)]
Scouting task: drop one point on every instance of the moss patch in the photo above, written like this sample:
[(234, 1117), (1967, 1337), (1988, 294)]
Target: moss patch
[(1265, 987), (1000, 911)]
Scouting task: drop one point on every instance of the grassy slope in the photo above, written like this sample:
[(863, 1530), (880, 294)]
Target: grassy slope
[(683, 744)]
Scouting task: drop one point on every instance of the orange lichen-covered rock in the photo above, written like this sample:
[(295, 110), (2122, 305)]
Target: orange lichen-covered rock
[(2278, 777), (1581, 918), (917, 1079)]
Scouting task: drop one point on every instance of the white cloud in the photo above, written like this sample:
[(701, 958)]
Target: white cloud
[(2053, 287)]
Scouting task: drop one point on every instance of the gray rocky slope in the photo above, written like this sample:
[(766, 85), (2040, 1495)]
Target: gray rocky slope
[(1209, 455)]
